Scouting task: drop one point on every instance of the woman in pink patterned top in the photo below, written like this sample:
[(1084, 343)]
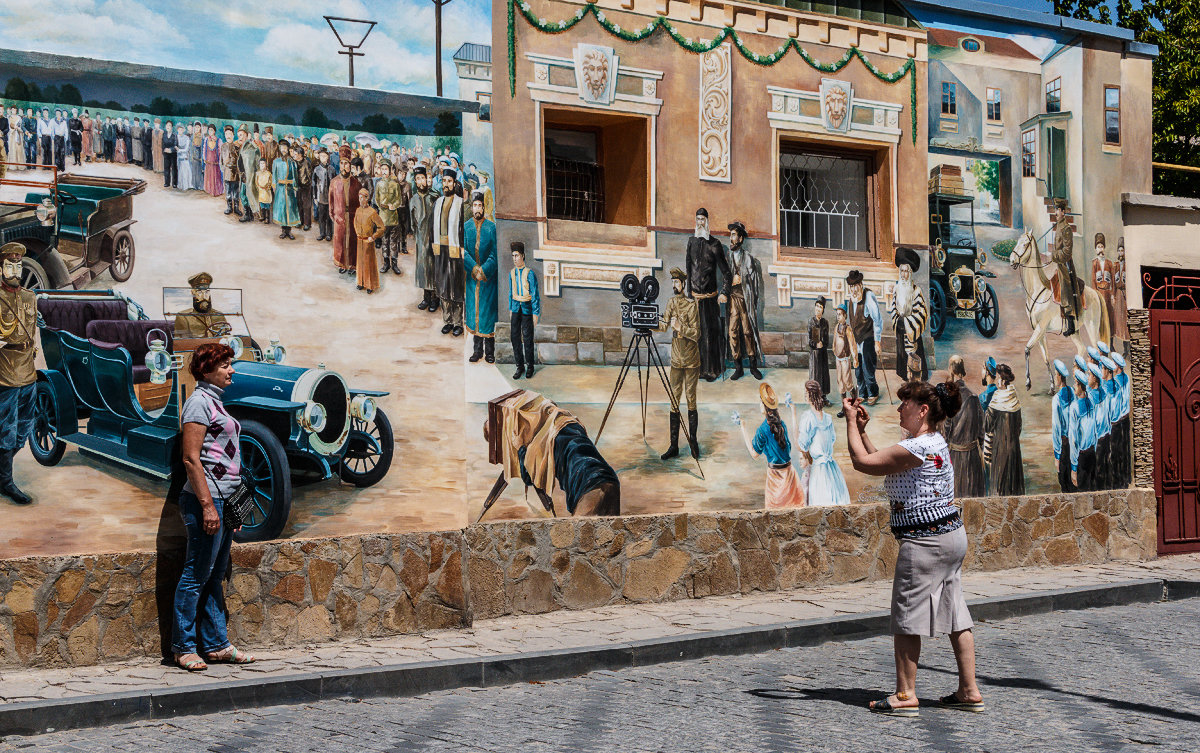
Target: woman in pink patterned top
[(212, 458)]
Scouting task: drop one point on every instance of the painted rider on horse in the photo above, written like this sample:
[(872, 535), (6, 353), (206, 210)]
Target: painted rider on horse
[(1064, 258)]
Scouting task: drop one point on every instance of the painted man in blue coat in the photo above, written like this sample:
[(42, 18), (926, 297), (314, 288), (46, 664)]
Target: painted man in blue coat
[(286, 209), (479, 258)]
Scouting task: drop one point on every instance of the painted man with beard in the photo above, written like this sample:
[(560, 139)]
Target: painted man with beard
[(448, 268), (910, 317), (322, 174), (420, 215), (18, 375), (1062, 253), (304, 179), (705, 258), (742, 289), (862, 310), (75, 131), (964, 434), (202, 320), (481, 262), (343, 203), (230, 156)]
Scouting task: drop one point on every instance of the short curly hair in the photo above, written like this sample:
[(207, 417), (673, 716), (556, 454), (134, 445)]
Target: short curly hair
[(207, 357)]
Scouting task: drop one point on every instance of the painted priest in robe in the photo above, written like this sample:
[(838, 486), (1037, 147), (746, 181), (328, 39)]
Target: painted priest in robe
[(480, 263), (420, 217), (682, 320), (285, 209), (818, 344), (548, 448), (910, 318), (449, 273), (343, 203), (1002, 437), (964, 435), (705, 259), (18, 373), (742, 290)]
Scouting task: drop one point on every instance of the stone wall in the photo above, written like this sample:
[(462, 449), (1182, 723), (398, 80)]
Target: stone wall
[(57, 611)]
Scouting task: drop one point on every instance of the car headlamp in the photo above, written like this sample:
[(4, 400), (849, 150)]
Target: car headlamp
[(956, 283), (275, 353), (313, 416), (46, 212), (363, 407), (982, 258), (235, 344), (158, 361)]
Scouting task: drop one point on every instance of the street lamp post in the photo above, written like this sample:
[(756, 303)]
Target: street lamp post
[(351, 49)]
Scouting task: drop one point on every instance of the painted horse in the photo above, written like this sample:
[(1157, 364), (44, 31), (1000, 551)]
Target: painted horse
[(1045, 314)]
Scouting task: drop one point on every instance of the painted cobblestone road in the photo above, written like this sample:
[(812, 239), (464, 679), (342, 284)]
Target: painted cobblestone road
[(1124, 678)]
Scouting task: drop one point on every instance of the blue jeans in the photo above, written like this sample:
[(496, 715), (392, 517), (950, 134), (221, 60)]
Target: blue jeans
[(199, 597)]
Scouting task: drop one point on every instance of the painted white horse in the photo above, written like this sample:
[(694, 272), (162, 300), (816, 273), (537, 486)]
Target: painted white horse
[(1045, 315)]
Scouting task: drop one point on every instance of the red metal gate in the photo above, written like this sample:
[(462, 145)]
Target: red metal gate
[(1175, 399)]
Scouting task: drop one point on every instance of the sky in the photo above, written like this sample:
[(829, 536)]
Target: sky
[(283, 39)]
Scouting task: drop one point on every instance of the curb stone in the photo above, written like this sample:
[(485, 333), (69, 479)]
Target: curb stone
[(417, 678)]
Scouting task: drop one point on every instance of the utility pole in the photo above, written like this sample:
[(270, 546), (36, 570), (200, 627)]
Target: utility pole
[(351, 49), (437, 24)]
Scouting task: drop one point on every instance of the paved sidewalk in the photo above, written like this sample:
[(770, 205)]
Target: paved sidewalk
[(566, 630)]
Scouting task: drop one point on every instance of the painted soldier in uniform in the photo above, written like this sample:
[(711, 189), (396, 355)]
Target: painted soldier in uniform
[(18, 375), (705, 258), (400, 173), (230, 156), (202, 320), (1103, 273), (964, 435), (863, 310), (389, 199), (1082, 434), (1063, 255), (683, 320), (818, 343), (480, 263), (910, 317), (448, 270), (741, 290), (420, 214), (1060, 427)]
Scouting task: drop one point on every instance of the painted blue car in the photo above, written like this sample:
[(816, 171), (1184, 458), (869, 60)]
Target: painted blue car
[(115, 380)]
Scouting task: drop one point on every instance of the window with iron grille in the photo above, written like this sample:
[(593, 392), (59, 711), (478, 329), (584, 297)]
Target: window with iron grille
[(1054, 96), (823, 202), (993, 104), (574, 177), (1029, 154), (949, 98), (1112, 115)]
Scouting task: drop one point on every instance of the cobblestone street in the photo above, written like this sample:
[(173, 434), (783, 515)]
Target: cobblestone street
[(1120, 678)]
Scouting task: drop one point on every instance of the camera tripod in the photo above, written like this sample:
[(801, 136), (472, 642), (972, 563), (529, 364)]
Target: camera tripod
[(633, 357)]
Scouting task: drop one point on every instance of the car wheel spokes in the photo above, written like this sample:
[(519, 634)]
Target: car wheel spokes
[(256, 472)]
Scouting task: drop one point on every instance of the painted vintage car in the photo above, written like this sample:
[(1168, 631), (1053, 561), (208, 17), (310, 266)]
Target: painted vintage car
[(75, 227), (958, 274), (115, 381)]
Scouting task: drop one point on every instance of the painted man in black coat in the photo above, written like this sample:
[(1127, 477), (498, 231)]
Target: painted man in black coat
[(705, 258)]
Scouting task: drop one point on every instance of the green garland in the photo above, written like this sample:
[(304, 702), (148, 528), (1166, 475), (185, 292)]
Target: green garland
[(699, 46)]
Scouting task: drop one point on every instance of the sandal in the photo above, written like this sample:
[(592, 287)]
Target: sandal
[(883, 707), (951, 702), (233, 657), (191, 665)]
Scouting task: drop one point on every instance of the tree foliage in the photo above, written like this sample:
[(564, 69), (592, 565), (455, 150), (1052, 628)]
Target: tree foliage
[(987, 176), (448, 124), (1174, 26)]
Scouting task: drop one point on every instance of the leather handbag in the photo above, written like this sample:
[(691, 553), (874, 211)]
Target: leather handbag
[(237, 507)]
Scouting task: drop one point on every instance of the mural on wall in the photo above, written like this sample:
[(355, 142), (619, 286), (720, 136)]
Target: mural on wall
[(748, 223)]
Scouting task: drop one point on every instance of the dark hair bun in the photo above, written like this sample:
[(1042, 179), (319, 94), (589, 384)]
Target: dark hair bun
[(950, 398)]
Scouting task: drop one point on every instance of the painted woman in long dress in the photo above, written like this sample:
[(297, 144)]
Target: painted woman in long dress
[(783, 485), (815, 438), (1002, 437), (183, 161), (119, 155), (214, 185)]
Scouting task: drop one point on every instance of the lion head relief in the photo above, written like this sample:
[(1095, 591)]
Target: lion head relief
[(836, 104), (595, 73)]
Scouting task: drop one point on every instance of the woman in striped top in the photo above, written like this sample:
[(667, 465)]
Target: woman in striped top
[(927, 596)]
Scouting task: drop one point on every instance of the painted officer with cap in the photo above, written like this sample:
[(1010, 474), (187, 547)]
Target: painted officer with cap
[(202, 320), (683, 319), (1099, 400), (18, 375), (1082, 433), (1063, 256), (1122, 429), (1060, 416), (1112, 462)]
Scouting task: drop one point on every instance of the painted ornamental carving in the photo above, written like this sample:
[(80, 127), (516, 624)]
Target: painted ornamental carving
[(596, 73), (837, 97), (715, 114)]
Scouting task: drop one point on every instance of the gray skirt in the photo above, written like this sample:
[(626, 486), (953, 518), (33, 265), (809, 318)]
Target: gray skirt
[(927, 597)]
